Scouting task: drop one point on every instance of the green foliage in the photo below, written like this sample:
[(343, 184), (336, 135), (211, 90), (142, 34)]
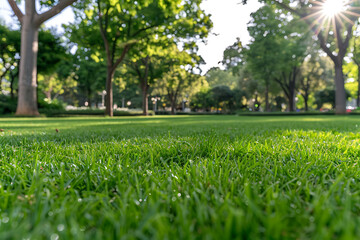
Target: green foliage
[(89, 74), (233, 57), (220, 96), (114, 27), (51, 51), (327, 96), (9, 54), (202, 100), (45, 104), (215, 76), (7, 105), (278, 49)]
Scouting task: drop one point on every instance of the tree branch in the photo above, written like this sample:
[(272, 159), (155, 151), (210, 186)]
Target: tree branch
[(16, 10), (325, 48), (103, 36), (286, 7), (142, 30), (282, 86), (119, 60), (53, 11), (348, 37)]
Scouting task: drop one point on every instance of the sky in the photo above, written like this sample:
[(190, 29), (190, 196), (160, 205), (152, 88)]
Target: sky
[(229, 18)]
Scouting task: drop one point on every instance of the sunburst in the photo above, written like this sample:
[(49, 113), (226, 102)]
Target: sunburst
[(332, 13), (331, 8)]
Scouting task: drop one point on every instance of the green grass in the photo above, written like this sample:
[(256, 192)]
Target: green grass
[(183, 177)]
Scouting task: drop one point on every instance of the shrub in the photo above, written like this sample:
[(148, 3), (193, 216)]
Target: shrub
[(7, 105)]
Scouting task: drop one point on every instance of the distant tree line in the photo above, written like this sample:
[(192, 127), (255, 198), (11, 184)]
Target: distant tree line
[(145, 55)]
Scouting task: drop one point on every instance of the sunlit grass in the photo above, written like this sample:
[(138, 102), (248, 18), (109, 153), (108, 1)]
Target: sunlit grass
[(204, 177)]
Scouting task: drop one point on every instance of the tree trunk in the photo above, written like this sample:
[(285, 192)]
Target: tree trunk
[(109, 93), (340, 96), (267, 104), (27, 95), (306, 99), (89, 100), (144, 90), (291, 103), (30, 23), (358, 93), (173, 106)]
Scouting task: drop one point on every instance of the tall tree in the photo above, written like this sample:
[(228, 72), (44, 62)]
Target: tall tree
[(30, 22), (277, 51), (321, 16)]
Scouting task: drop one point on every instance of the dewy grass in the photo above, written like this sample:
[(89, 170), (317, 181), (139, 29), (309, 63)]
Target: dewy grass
[(199, 177)]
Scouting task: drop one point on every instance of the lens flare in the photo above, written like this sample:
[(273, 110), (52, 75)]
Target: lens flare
[(331, 8)]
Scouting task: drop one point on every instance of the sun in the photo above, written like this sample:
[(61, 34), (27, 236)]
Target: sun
[(331, 8)]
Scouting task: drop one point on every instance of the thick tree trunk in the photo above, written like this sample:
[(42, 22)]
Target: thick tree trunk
[(291, 103), (340, 95), (173, 107), (109, 93), (27, 95)]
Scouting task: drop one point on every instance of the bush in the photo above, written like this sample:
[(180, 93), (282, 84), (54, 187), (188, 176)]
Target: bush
[(7, 105), (55, 104), (90, 112)]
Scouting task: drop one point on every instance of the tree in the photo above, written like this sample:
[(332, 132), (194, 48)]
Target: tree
[(277, 51), (30, 22), (334, 43), (180, 77), (122, 24), (149, 60), (89, 73), (222, 96), (260, 57), (233, 58), (215, 76), (202, 100), (314, 73)]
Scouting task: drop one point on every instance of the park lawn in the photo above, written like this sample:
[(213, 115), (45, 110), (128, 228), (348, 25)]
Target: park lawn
[(181, 177)]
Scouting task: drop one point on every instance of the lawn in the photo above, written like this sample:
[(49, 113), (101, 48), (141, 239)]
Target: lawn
[(183, 177)]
